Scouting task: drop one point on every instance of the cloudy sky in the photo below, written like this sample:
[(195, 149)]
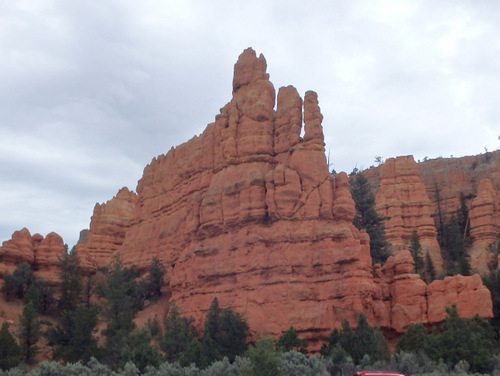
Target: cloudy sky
[(91, 91)]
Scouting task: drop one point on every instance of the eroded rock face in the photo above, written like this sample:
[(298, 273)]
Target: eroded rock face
[(409, 194), (248, 212), (107, 230), (402, 199), (42, 253)]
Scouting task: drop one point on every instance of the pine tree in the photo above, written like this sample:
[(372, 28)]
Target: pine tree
[(430, 270), (73, 335), (414, 339), (10, 352), (225, 333), (290, 341), (70, 290), (367, 217), (179, 332), (456, 256), (17, 283), (30, 330), (416, 252)]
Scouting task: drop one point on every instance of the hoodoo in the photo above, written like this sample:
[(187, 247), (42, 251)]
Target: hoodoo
[(248, 212)]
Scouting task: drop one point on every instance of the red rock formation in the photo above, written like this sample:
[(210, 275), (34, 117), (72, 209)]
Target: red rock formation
[(107, 229), (248, 212), (402, 199), (484, 224), (42, 253)]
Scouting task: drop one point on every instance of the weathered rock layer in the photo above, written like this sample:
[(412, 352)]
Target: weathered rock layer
[(248, 212)]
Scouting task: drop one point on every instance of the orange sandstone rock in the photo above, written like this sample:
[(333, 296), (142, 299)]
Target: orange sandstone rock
[(248, 212)]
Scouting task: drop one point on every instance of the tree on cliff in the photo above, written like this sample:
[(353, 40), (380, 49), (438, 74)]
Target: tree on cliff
[(367, 217), (30, 332), (17, 283), (455, 251), (10, 352), (416, 252), (70, 290)]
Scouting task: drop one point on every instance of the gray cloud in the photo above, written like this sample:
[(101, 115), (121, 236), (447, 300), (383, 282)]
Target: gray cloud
[(92, 91)]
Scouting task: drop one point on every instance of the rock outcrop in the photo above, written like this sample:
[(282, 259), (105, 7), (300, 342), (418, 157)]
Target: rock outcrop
[(420, 196), (41, 253), (402, 199), (107, 229), (248, 212)]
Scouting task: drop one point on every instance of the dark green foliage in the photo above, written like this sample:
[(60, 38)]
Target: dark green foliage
[(290, 341), (359, 342), (120, 290), (10, 352), (46, 296), (459, 340), (454, 247), (70, 290), (73, 336), (416, 252), (225, 333), (492, 282), (139, 351), (30, 332), (232, 335), (17, 283), (430, 270), (414, 340), (265, 361), (367, 218), (179, 332), (463, 220), (155, 279)]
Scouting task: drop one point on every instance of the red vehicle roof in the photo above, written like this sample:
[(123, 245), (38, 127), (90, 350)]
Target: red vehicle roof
[(377, 373)]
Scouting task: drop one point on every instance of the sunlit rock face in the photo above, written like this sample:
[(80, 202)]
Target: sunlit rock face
[(248, 212)]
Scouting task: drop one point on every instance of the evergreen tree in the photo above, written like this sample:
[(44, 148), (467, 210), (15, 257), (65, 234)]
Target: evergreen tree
[(46, 296), (73, 335), (30, 330), (430, 270), (225, 333), (265, 361), (156, 278), (139, 351), (367, 217), (456, 256), (359, 342), (290, 341), (10, 352), (179, 332), (462, 339), (414, 339), (17, 283), (70, 290), (416, 252), (463, 220), (120, 290)]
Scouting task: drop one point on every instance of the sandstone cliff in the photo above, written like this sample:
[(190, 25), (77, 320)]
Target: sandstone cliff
[(415, 196), (248, 212)]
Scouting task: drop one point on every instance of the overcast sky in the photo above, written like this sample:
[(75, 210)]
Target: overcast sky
[(91, 91)]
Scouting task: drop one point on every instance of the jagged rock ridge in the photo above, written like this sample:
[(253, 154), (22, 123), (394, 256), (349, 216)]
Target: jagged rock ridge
[(248, 212)]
